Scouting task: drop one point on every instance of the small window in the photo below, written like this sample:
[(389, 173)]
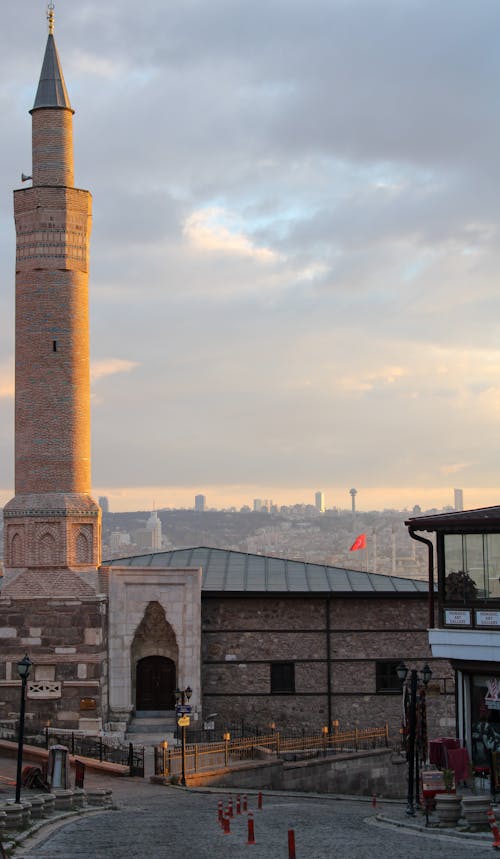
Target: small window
[(282, 678), (54, 345), (386, 676)]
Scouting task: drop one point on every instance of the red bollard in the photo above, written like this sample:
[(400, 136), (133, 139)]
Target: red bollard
[(245, 803), (251, 831), (230, 808), (494, 828), (238, 805), (226, 826), (291, 844), (259, 801), (374, 801)]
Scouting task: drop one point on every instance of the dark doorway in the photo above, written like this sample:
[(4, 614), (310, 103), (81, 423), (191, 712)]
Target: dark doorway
[(156, 683)]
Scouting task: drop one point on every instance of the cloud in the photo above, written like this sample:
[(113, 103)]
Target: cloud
[(111, 366), (455, 467), (6, 383), (295, 241), (216, 230)]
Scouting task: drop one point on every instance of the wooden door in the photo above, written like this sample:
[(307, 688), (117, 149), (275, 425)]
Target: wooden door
[(156, 683)]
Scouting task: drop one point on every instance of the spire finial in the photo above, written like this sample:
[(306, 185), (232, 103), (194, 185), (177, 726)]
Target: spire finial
[(50, 17)]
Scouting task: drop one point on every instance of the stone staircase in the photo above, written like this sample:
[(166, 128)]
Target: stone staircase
[(150, 727)]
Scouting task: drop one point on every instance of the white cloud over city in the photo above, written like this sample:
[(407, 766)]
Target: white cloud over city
[(295, 249)]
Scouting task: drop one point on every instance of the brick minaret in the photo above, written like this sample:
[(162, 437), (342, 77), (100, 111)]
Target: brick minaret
[(52, 524)]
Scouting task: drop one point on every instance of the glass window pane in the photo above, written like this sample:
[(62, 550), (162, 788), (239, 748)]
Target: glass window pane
[(492, 563), (475, 561), (453, 554)]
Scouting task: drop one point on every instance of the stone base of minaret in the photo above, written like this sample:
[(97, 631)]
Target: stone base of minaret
[(51, 533)]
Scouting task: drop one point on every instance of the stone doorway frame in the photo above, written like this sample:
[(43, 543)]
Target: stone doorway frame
[(178, 592)]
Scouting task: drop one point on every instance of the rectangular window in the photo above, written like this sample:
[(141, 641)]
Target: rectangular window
[(386, 676), (282, 678)]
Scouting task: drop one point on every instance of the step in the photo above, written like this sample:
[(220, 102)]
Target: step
[(154, 714), (151, 739), (151, 728)]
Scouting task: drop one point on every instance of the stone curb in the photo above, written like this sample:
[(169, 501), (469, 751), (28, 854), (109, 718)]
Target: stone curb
[(434, 829), (54, 822)]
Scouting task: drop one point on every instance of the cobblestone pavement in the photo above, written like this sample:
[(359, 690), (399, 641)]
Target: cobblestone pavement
[(157, 822)]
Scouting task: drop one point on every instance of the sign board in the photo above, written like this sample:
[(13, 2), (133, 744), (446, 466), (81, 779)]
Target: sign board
[(487, 618), (460, 617), (432, 782), (183, 709), (209, 726), (183, 721)]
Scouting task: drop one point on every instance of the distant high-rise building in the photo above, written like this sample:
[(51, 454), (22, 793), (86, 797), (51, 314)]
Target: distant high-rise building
[(104, 503), (319, 502), (353, 493), (459, 499), (200, 503), (257, 505), (153, 525)]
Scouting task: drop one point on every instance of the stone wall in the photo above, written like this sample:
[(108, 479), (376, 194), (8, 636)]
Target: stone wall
[(378, 772), (334, 645), (66, 641)]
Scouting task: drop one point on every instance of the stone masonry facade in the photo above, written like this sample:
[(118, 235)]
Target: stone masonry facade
[(334, 645), (67, 642)]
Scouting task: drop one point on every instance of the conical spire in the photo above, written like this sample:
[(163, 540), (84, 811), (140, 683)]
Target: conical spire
[(52, 90)]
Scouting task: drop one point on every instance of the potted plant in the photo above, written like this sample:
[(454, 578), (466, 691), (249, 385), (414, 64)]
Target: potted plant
[(460, 586)]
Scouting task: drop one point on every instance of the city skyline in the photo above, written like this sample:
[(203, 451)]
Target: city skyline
[(283, 297)]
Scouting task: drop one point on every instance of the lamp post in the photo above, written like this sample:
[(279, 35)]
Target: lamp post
[(23, 668), (411, 754), (182, 696)]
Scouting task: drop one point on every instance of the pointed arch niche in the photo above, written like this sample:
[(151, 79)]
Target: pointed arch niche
[(154, 661)]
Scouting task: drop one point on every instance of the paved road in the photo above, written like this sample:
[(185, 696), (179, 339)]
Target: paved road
[(156, 822)]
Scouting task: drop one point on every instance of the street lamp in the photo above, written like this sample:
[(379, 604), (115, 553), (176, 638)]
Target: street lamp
[(182, 696), (412, 753), (23, 669)]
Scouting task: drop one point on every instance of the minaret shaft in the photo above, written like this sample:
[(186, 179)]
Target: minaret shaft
[(52, 521)]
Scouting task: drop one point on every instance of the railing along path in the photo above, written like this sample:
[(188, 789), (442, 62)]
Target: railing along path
[(200, 757)]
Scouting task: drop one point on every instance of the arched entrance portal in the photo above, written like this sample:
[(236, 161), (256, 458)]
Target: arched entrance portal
[(155, 683)]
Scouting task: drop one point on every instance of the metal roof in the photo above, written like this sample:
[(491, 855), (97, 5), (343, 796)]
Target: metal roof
[(52, 90), (480, 520), (238, 572)]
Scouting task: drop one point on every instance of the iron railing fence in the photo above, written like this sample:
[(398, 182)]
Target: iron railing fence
[(200, 757), (96, 747), (238, 730)]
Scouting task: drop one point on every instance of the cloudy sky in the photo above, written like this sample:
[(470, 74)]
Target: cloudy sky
[(296, 245)]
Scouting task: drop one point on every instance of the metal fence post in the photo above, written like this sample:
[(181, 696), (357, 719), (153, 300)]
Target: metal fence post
[(72, 743), (277, 744), (356, 739), (196, 758)]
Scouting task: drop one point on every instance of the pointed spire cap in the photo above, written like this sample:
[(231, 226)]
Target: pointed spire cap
[(52, 90)]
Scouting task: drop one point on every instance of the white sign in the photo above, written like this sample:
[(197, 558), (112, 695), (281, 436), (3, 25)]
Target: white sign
[(457, 618), (487, 618)]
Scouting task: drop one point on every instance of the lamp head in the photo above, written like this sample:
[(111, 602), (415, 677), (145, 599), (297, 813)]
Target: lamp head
[(189, 692), (426, 674), (402, 671), (24, 667)]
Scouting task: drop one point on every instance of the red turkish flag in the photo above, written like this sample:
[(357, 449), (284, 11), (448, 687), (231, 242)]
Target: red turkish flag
[(359, 543)]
